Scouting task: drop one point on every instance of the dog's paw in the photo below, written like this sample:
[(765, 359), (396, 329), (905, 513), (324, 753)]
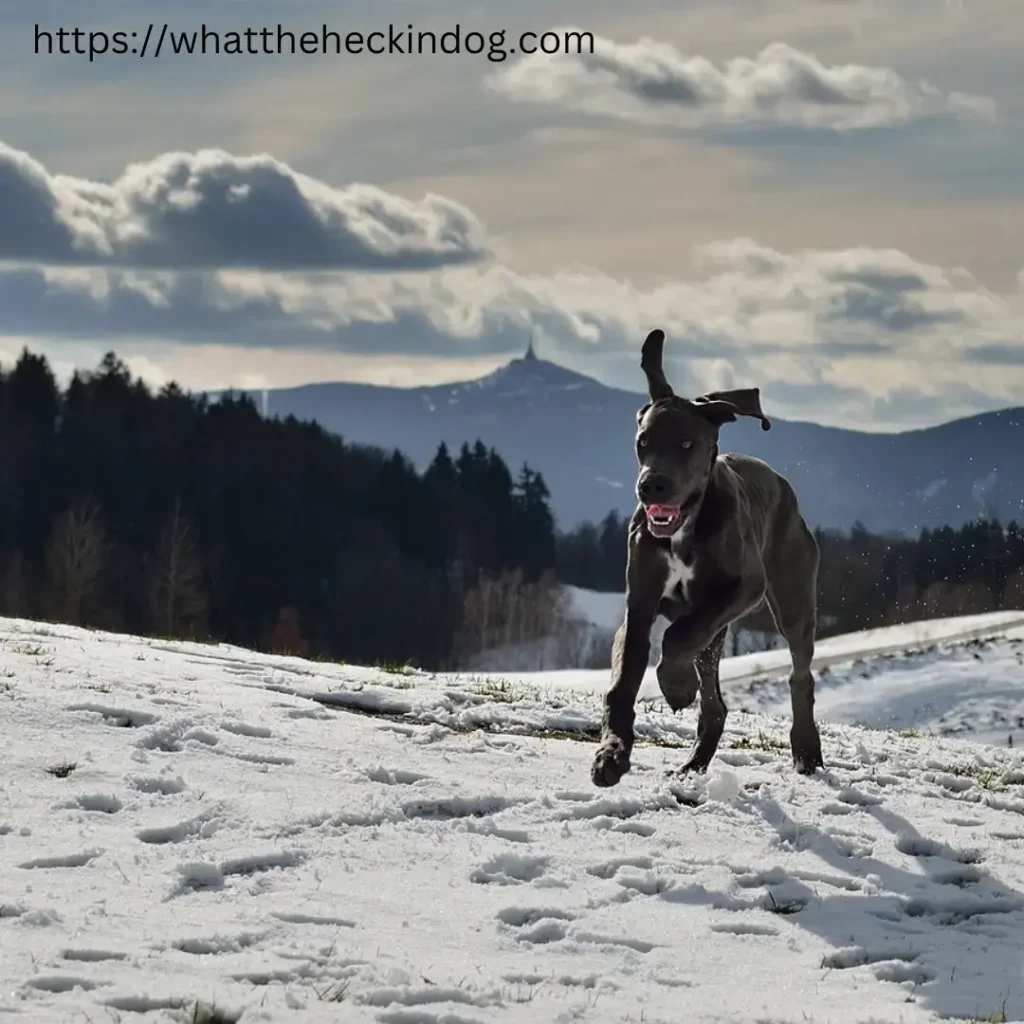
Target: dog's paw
[(610, 764), (679, 684), (678, 701), (807, 758), (697, 765)]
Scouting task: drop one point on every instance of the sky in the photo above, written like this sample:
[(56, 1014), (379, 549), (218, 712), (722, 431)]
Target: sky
[(821, 198)]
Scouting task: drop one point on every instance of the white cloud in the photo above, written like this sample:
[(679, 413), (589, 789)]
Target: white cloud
[(653, 83), (209, 209), (832, 334)]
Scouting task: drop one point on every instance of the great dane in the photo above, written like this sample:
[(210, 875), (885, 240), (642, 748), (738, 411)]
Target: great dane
[(711, 538)]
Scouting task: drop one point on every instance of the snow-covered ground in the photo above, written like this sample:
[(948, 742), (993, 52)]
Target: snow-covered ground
[(973, 689), (293, 841), (746, 668)]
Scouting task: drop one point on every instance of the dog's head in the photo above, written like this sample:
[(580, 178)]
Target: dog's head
[(677, 442)]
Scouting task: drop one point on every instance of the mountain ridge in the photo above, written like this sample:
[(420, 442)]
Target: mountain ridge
[(577, 431)]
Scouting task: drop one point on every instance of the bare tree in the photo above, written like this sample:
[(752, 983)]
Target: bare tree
[(507, 614), (177, 593), (75, 559)]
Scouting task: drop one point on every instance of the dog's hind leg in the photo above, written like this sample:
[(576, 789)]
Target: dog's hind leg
[(711, 719), (792, 571)]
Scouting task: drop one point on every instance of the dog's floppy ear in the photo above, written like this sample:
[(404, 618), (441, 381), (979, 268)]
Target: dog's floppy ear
[(650, 363), (724, 406)]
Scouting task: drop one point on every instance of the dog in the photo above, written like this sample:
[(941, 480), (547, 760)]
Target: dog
[(712, 537)]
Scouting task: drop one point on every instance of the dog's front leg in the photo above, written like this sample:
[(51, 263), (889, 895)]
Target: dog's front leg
[(630, 652)]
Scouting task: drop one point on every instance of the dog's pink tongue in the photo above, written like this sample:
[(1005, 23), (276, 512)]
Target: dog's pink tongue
[(662, 511)]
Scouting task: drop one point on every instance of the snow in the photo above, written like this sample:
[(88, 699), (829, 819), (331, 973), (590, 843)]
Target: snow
[(605, 610), (295, 841), (830, 651), (937, 691)]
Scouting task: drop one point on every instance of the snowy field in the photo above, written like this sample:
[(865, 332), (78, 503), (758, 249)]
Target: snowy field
[(186, 827), (835, 650)]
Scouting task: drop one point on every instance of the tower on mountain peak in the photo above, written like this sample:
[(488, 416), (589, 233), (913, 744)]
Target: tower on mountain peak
[(531, 355)]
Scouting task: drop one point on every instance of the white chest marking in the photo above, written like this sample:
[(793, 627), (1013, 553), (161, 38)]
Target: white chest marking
[(679, 576)]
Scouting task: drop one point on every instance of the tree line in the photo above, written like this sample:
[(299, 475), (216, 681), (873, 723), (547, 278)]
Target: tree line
[(167, 514), (163, 513), (866, 580)]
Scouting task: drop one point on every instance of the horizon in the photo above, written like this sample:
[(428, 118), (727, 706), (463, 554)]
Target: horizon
[(502, 363), (819, 200)]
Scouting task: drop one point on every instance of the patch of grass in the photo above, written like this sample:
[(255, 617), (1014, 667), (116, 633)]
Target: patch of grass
[(908, 734), (395, 668), (34, 651), (326, 659), (400, 684), (762, 741), (504, 692), (663, 741), (524, 994), (998, 1017), (334, 993), (784, 907), (583, 736), (987, 778), (62, 770)]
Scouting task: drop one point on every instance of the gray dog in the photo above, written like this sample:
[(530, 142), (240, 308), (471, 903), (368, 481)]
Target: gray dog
[(712, 537)]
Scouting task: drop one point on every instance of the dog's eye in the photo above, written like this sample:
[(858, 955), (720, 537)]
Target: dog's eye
[(687, 444), (641, 442)]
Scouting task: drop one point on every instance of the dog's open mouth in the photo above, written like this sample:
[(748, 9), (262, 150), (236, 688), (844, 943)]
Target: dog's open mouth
[(664, 520)]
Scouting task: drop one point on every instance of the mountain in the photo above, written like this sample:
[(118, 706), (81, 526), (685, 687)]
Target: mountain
[(579, 434)]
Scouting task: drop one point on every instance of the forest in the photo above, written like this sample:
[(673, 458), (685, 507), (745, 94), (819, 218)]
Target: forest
[(161, 513)]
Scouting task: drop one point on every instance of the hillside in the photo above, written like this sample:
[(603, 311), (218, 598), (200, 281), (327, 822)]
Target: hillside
[(304, 842), (578, 433)]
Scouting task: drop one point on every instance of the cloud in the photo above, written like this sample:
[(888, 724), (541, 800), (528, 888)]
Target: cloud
[(829, 334), (210, 209), (652, 83)]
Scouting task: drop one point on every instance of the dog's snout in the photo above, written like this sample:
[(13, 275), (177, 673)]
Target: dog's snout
[(653, 488)]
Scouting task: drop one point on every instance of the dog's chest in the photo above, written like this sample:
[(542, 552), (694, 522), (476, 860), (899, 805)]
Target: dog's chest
[(680, 574)]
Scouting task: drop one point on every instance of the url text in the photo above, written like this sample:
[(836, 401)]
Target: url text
[(160, 39)]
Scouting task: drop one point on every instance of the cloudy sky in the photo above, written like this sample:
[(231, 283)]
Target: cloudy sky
[(819, 197)]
